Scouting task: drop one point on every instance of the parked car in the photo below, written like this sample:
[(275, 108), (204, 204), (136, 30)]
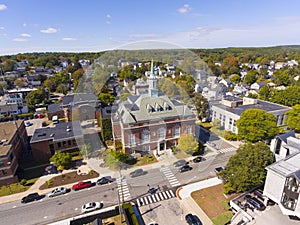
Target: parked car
[(198, 159), (219, 169), (259, 194), (255, 202), (185, 168), (91, 207), (104, 180), (179, 163), (57, 191), (137, 173), (44, 124), (152, 223), (31, 197), (27, 123), (192, 219), (82, 185)]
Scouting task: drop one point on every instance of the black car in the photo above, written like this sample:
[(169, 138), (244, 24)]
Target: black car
[(255, 202), (180, 163), (219, 169), (198, 159), (104, 180), (30, 198), (185, 168), (137, 173), (192, 219)]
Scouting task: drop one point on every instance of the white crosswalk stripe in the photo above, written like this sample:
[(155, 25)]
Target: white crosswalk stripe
[(155, 198), (170, 176), (230, 149), (123, 189)]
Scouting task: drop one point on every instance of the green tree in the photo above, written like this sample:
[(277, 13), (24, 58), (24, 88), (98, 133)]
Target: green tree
[(235, 79), (289, 97), (61, 159), (76, 76), (62, 88), (256, 125), (116, 159), (293, 118), (246, 169), (106, 98), (188, 143), (264, 93), (250, 77), (201, 105), (35, 97), (282, 77)]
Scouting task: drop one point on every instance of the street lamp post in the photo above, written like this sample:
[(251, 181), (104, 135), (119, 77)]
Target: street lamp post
[(121, 198)]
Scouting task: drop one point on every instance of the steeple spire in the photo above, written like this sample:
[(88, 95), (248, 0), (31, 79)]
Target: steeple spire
[(153, 92)]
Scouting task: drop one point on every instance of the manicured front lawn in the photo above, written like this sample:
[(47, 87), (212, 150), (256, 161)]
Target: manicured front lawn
[(12, 189), (179, 154), (210, 201), (68, 178), (146, 159)]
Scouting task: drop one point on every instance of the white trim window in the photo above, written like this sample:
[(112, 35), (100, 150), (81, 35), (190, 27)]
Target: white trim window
[(145, 136), (189, 129), (161, 133), (131, 139), (177, 131)]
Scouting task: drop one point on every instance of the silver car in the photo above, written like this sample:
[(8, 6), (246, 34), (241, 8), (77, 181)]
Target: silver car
[(57, 191), (91, 207)]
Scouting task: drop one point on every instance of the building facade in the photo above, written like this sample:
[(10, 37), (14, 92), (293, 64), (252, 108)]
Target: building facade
[(151, 121), (229, 109), (45, 142), (13, 142)]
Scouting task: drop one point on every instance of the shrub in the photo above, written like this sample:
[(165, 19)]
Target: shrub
[(230, 136), (23, 182), (49, 183)]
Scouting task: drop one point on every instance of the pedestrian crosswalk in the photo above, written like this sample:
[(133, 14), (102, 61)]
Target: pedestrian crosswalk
[(170, 176), (123, 190), (146, 200), (230, 149)]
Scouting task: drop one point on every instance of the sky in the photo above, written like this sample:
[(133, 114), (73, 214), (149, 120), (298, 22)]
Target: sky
[(97, 25)]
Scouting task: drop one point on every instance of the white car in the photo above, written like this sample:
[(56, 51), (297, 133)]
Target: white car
[(57, 191), (91, 207)]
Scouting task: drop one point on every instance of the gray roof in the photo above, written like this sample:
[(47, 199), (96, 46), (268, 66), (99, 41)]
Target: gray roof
[(138, 109), (284, 136), (78, 98), (267, 106), (54, 108), (62, 131), (286, 166)]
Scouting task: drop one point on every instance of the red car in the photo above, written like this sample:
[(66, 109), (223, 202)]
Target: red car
[(82, 185)]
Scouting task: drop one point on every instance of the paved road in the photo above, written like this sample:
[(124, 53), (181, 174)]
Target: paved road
[(164, 178)]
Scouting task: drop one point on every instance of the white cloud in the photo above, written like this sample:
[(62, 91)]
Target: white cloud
[(25, 35), (49, 30), (2, 28), (186, 8), (108, 16), (2, 7), (24, 24), (108, 22), (69, 39), (20, 39)]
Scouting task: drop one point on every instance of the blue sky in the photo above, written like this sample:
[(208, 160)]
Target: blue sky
[(96, 25)]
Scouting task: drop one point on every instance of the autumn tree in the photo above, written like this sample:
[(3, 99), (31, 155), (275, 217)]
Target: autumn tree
[(256, 125), (246, 169)]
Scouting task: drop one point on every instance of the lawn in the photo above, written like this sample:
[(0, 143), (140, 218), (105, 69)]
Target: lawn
[(116, 220), (12, 189), (146, 159), (181, 154), (68, 178), (210, 201)]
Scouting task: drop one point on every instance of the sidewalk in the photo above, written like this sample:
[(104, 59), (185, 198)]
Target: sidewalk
[(184, 196), (167, 158)]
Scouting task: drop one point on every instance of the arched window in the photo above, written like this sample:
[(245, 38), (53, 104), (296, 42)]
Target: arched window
[(145, 136)]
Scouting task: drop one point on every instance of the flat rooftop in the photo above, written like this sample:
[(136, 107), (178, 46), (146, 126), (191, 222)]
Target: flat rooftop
[(62, 131), (7, 131)]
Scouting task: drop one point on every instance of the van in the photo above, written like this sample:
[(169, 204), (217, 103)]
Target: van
[(55, 119)]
